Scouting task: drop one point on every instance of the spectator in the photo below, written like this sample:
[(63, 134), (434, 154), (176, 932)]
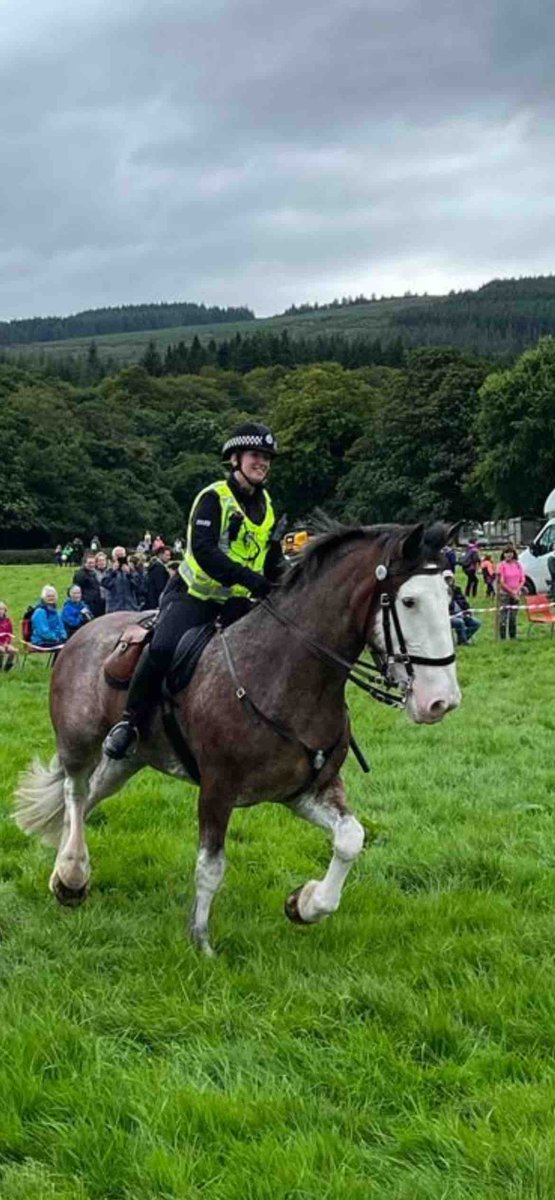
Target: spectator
[(470, 563), (551, 569), (462, 620), (47, 628), (137, 564), (157, 576), (510, 581), (157, 543), (95, 543), (86, 579), (487, 567), (58, 555), (78, 549), (178, 546), (450, 556), (8, 649), (122, 585), (67, 554), (75, 612), (100, 569)]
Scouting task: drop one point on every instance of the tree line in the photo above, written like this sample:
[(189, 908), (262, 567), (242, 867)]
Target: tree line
[(124, 318), (445, 434), (500, 320)]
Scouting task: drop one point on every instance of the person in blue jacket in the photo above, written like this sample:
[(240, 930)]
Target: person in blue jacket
[(47, 627), (75, 612)]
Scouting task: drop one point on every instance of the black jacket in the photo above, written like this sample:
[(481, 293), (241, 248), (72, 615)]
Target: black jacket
[(156, 580), (206, 524), (90, 590)]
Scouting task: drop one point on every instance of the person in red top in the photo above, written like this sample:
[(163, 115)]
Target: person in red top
[(510, 582), (8, 650)]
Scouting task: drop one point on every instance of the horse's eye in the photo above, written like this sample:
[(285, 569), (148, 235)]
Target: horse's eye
[(409, 602)]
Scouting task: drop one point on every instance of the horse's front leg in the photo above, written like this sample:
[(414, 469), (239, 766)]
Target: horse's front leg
[(327, 809), (69, 880), (214, 814)]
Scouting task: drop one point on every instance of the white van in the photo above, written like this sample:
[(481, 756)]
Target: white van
[(534, 558)]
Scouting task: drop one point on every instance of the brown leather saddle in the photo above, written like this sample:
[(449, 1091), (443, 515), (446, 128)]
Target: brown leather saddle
[(122, 660)]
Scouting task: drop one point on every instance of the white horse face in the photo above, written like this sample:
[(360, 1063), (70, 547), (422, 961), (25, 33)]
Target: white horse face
[(422, 605)]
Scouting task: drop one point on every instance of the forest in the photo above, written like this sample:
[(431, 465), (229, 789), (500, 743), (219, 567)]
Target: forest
[(444, 435)]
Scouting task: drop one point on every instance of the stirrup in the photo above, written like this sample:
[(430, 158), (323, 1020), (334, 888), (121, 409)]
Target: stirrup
[(121, 739)]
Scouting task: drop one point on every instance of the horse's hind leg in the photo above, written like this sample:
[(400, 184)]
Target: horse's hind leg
[(70, 878), (328, 810), (214, 815), (82, 791)]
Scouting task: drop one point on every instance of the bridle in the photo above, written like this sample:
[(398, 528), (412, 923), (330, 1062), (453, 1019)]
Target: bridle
[(390, 618), (373, 677)]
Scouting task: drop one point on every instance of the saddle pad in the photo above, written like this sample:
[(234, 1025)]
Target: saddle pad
[(186, 657)]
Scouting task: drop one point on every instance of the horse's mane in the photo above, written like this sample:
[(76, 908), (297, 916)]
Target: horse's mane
[(333, 540)]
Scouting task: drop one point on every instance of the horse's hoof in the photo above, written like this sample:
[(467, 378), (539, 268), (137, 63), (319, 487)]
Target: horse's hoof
[(291, 907), (69, 897)]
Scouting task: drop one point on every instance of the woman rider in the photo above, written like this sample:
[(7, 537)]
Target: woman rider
[(233, 551)]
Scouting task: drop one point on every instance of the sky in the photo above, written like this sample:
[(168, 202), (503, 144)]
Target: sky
[(243, 152)]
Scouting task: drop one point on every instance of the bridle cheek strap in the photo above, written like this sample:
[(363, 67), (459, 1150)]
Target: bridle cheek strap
[(390, 617)]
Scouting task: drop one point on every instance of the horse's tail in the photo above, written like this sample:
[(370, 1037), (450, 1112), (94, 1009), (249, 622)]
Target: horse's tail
[(39, 803)]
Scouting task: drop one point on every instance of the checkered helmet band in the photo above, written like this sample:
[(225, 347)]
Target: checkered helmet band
[(263, 440)]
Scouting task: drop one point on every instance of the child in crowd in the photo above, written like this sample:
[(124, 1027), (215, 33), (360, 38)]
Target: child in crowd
[(8, 650), (487, 567)]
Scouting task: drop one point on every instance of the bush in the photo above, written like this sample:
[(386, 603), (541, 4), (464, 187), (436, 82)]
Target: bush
[(17, 558)]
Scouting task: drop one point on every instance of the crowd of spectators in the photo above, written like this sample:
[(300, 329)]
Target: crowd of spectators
[(120, 583)]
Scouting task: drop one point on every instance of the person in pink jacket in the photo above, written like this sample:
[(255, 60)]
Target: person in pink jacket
[(8, 649), (510, 582)]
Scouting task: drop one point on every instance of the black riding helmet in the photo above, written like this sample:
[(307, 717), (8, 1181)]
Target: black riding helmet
[(250, 436)]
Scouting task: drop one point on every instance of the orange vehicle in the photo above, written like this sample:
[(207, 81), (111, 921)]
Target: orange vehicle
[(293, 542)]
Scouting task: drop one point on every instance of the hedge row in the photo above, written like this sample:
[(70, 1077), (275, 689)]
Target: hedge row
[(17, 558)]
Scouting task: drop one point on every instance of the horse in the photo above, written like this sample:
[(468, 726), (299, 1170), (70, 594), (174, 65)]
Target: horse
[(264, 715)]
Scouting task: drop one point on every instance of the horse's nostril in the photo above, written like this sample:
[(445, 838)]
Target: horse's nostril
[(438, 707)]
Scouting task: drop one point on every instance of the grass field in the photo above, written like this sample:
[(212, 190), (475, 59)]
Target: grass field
[(369, 320), (403, 1050)]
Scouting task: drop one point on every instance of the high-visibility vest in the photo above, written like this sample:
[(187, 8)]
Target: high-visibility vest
[(248, 548)]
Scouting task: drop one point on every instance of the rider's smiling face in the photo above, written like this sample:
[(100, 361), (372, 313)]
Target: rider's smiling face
[(254, 465)]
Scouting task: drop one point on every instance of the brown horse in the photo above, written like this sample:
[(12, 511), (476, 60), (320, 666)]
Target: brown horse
[(264, 715)]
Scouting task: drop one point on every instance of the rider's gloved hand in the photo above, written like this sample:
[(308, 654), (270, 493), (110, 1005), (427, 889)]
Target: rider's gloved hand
[(259, 586)]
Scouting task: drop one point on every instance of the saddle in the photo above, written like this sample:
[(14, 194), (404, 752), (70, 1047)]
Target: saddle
[(122, 660)]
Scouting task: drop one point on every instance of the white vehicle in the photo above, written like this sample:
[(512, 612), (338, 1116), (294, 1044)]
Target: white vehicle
[(534, 558)]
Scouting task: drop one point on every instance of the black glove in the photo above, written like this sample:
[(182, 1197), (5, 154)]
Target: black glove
[(258, 585)]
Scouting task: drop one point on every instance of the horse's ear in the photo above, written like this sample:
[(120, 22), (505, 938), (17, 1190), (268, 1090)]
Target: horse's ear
[(411, 543), (452, 532)]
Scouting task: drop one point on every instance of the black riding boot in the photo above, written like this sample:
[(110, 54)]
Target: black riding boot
[(144, 691)]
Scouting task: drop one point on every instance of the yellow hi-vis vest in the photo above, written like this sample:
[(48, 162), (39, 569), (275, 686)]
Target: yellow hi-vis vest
[(248, 548)]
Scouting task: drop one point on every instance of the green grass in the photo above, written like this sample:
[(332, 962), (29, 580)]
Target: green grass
[(369, 320), (403, 1050)]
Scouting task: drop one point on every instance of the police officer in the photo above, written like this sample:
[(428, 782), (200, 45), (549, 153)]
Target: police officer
[(233, 553)]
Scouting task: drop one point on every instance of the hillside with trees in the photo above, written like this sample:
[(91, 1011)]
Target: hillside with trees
[(497, 321), (500, 319), (125, 318)]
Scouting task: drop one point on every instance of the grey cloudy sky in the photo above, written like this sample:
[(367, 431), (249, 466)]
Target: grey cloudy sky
[(237, 151)]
